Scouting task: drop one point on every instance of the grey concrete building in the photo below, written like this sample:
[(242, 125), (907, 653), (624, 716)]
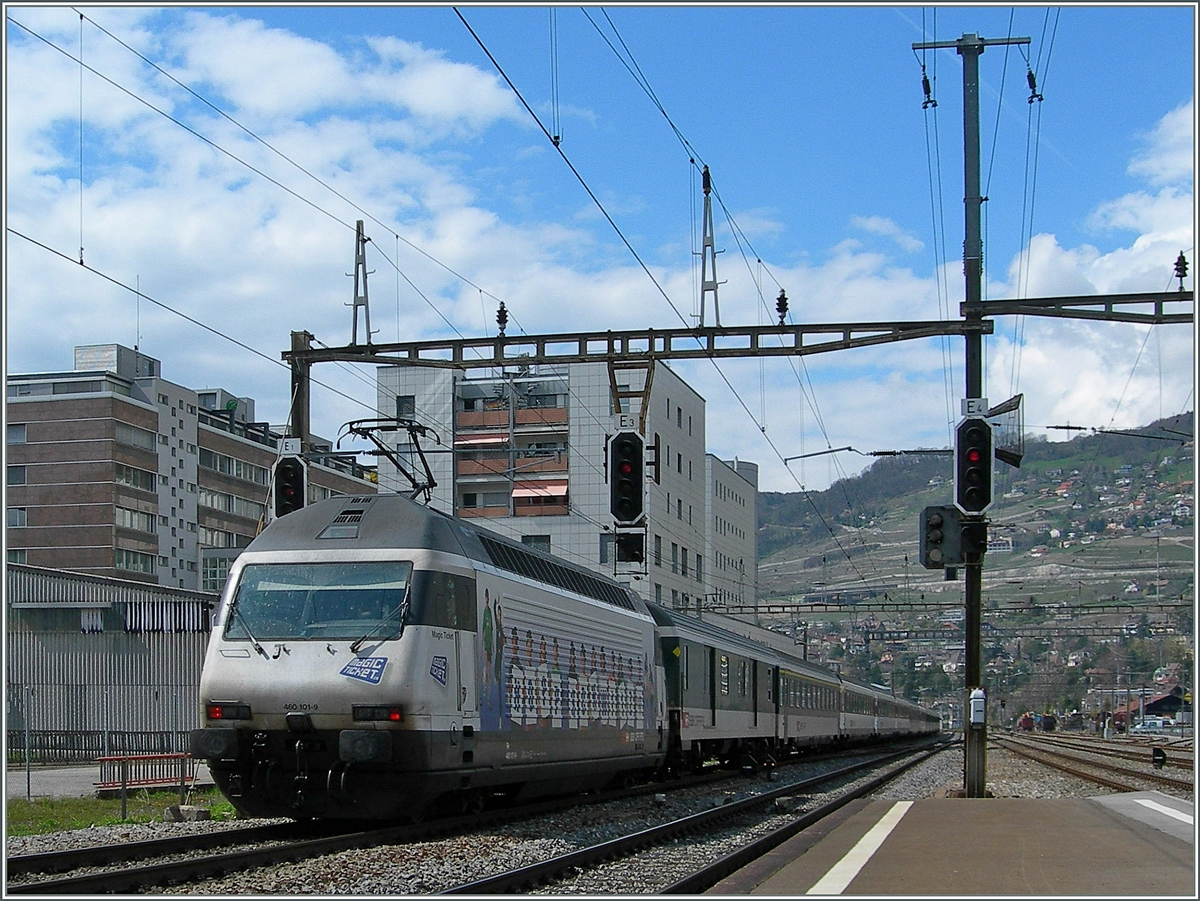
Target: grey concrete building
[(111, 469)]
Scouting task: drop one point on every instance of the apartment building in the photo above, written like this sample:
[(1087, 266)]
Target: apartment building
[(113, 470), (526, 449)]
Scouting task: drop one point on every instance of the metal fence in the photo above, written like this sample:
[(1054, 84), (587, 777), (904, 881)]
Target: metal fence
[(98, 666), (70, 747)]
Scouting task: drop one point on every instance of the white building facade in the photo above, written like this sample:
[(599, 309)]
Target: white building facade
[(526, 449)]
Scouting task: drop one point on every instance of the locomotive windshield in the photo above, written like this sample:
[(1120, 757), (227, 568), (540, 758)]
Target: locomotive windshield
[(319, 601)]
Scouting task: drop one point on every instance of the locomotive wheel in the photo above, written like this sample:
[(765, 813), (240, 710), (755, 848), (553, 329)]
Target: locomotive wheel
[(416, 814), (472, 803)]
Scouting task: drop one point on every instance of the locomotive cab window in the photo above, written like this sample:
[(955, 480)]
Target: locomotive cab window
[(320, 601)]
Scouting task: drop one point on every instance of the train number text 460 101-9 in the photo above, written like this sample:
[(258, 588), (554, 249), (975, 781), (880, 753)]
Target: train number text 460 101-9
[(302, 707)]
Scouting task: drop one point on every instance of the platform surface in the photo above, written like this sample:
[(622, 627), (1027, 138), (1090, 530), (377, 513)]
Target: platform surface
[(1133, 844)]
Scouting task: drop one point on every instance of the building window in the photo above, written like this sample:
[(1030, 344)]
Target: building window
[(133, 561), (239, 469), (15, 433), (15, 475), (472, 499), (133, 477), (540, 542), (679, 508), (218, 538), (216, 570), (658, 593), (699, 568), (230, 503), (134, 519), (679, 417), (18, 555), (683, 569), (17, 517), (674, 557), (406, 406), (607, 541), (658, 550), (135, 437)]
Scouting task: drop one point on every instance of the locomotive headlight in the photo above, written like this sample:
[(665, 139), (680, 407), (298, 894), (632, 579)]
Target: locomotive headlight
[(364, 746), (377, 713), (214, 744), (218, 710)]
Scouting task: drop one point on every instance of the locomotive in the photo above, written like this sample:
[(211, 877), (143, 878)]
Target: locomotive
[(371, 655)]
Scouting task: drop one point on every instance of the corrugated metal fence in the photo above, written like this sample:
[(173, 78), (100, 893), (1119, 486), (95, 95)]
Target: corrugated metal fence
[(99, 666)]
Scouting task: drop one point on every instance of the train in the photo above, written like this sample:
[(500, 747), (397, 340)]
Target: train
[(371, 656)]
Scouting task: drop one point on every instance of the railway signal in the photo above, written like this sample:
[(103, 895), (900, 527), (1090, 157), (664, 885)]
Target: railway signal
[(973, 456), (941, 537), (289, 483), (626, 458), (631, 547)]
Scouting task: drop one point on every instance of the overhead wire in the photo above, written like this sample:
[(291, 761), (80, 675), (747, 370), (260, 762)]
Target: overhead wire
[(366, 213), (634, 69), (394, 263), (937, 209), (398, 237), (625, 56), (396, 234), (142, 295)]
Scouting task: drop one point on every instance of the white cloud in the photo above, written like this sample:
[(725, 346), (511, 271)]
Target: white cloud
[(1170, 155), (879, 225)]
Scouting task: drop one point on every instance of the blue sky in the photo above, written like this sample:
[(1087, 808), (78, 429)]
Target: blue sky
[(841, 188)]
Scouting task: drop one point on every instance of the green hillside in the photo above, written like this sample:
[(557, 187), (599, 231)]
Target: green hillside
[(1091, 537)]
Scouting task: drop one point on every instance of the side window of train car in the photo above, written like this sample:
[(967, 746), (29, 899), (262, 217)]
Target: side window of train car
[(446, 600)]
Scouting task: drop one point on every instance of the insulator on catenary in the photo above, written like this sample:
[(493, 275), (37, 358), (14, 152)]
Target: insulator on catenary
[(1033, 91)]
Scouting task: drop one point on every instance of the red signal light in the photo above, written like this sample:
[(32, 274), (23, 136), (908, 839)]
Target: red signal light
[(228, 711), (973, 455)]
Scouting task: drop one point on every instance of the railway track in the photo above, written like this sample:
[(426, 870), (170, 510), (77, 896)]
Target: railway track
[(1178, 756), (1111, 775), (90, 871), (764, 808), (142, 866)]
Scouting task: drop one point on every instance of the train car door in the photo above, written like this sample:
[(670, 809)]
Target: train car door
[(712, 686), (464, 653), (754, 690)]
